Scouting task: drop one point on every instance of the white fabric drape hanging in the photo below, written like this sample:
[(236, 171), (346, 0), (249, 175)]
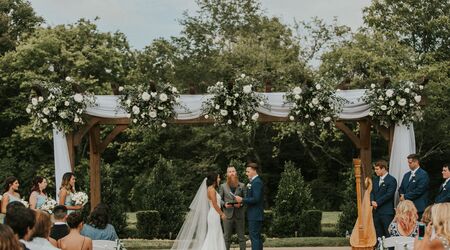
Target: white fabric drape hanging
[(191, 108)]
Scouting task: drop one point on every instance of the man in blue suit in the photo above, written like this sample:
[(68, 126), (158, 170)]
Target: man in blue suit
[(382, 198), (255, 205), (444, 189), (414, 185)]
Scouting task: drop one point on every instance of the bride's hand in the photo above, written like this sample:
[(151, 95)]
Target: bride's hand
[(222, 216)]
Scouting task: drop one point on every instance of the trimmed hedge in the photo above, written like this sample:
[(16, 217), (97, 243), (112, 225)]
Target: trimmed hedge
[(311, 223), (148, 223), (268, 221)]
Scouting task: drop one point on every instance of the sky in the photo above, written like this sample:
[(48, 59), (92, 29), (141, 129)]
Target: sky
[(142, 21)]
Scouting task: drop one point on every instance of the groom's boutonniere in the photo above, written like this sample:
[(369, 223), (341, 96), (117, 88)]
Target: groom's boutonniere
[(249, 186)]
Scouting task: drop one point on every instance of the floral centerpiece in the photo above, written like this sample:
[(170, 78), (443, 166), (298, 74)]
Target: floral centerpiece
[(80, 198), (234, 105), (398, 104), (315, 104), (48, 205), (58, 107), (148, 108)]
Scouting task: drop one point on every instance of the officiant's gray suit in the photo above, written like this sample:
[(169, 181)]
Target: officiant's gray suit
[(235, 217)]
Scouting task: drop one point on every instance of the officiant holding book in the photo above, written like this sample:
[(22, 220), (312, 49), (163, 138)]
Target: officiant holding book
[(234, 211)]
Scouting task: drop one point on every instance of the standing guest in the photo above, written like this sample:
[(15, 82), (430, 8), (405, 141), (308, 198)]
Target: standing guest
[(255, 205), (60, 228), (444, 189), (66, 192), (74, 240), (235, 213), (414, 185), (405, 221), (440, 240), (8, 241), (38, 195), (21, 220), (40, 237), (382, 198), (98, 227), (10, 193)]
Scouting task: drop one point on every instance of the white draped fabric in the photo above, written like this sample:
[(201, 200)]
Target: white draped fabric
[(404, 144), (191, 107)]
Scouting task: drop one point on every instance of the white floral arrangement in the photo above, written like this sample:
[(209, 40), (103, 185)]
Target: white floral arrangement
[(80, 198), (314, 104), (25, 203), (148, 108), (234, 105), (48, 205), (399, 104), (59, 107)]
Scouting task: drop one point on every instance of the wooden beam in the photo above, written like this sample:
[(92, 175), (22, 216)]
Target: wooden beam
[(347, 131), (116, 131), (85, 129), (94, 163), (71, 149)]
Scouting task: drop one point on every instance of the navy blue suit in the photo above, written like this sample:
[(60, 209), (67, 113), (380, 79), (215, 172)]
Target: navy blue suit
[(444, 193), (255, 211), (384, 196), (416, 189)]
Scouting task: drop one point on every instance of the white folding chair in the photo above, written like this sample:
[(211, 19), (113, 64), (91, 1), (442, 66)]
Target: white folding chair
[(399, 242), (104, 244)]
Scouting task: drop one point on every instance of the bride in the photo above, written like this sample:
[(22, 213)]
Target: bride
[(202, 230)]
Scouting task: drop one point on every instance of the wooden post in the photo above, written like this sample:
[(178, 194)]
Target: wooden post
[(391, 139), (71, 149), (357, 167), (94, 163), (366, 149)]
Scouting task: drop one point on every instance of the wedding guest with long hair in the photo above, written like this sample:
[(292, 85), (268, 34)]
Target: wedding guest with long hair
[(8, 241), (98, 226), (66, 192), (40, 236), (426, 217), (74, 240), (405, 221), (10, 192), (38, 195), (440, 222)]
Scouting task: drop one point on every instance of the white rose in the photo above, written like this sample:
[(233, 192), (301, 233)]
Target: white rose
[(145, 96), (318, 87), (228, 102), (306, 116), (383, 107), (153, 94), (128, 102), (320, 107), (236, 95), (46, 111), (243, 123), (152, 114), (120, 89), (136, 110), (420, 87), (108, 70), (315, 101), (174, 90), (28, 110), (40, 98), (417, 98), (63, 115), (206, 116), (134, 120), (380, 98), (163, 125), (255, 116), (78, 97), (66, 103), (160, 107), (217, 106), (51, 68), (247, 89), (223, 112), (76, 119), (327, 119), (54, 109), (402, 102), (44, 120), (392, 103), (312, 124), (242, 75), (406, 90), (291, 118), (297, 90), (229, 122), (372, 86), (34, 101), (163, 97), (370, 113), (389, 93), (69, 79), (297, 97)]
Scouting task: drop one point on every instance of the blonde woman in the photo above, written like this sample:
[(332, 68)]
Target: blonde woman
[(66, 192), (405, 221), (440, 222)]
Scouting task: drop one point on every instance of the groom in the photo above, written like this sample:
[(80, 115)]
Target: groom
[(254, 201)]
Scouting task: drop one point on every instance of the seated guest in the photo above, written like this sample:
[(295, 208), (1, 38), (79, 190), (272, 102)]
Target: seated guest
[(98, 227), (60, 228), (12, 205), (10, 189), (405, 221), (440, 214), (21, 220), (426, 217), (444, 189), (8, 241), (74, 240), (40, 237)]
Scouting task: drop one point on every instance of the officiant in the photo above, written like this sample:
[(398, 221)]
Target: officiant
[(234, 211)]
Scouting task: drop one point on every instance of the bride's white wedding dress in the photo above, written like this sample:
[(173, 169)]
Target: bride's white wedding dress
[(214, 237), (201, 229)]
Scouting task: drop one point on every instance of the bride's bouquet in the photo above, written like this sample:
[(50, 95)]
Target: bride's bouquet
[(48, 205), (80, 198)]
